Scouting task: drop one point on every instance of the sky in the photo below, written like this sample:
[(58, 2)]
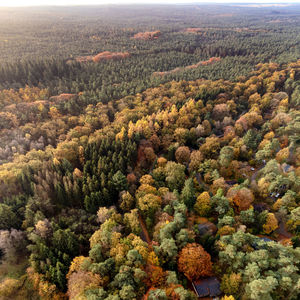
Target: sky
[(93, 2)]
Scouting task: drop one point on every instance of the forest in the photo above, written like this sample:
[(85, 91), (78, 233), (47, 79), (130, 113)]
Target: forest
[(150, 152)]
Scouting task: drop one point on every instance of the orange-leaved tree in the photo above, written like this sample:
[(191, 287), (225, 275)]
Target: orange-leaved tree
[(194, 262)]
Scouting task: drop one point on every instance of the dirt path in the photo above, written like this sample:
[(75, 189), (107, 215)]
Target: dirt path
[(145, 234), (254, 175), (201, 182)]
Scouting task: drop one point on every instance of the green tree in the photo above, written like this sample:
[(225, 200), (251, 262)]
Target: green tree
[(175, 175), (8, 218), (157, 294), (188, 194), (119, 181), (226, 156), (127, 292)]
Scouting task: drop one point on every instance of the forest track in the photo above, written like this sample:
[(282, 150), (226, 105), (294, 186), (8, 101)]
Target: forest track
[(144, 234)]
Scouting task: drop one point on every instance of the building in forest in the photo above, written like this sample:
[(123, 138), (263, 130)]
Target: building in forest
[(207, 287)]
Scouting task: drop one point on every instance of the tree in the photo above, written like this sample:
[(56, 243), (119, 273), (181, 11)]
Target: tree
[(203, 204), (294, 222), (168, 250), (12, 244), (43, 228), (131, 178), (65, 241), (182, 294), (188, 193), (180, 135), (96, 254), (157, 294), (175, 175), (219, 183), (156, 275), (220, 111), (242, 198), (230, 284), (79, 281), (161, 161), (131, 220), (247, 217), (119, 181), (252, 138), (228, 298), (194, 262), (283, 155), (127, 201), (196, 159), (105, 213), (147, 179), (226, 220), (210, 147), (8, 288), (226, 230), (150, 155), (226, 156), (261, 288), (8, 218), (183, 154), (271, 223), (220, 203), (127, 292), (149, 203), (183, 237), (98, 293), (260, 278)]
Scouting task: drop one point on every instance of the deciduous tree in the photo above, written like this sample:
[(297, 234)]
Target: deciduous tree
[(194, 262)]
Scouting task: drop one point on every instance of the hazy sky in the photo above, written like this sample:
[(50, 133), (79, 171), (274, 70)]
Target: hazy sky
[(82, 2)]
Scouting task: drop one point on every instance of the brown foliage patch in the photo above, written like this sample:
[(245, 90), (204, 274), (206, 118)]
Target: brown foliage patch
[(106, 55), (156, 276), (110, 55), (148, 35), (210, 61), (63, 97), (193, 30)]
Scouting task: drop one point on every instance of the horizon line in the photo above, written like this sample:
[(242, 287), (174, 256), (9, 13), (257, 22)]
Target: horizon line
[(282, 4)]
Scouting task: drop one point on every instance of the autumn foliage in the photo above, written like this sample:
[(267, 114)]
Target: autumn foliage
[(242, 198), (148, 35), (110, 55), (156, 275), (106, 55), (271, 223), (210, 61), (194, 262)]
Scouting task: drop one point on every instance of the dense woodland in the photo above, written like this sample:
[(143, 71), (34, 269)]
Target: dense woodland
[(109, 173)]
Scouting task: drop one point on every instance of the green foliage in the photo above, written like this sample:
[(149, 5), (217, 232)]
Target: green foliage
[(264, 275), (175, 175), (119, 181), (220, 204), (247, 217), (226, 156), (188, 193), (252, 139), (96, 253), (8, 218), (102, 184), (157, 294)]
